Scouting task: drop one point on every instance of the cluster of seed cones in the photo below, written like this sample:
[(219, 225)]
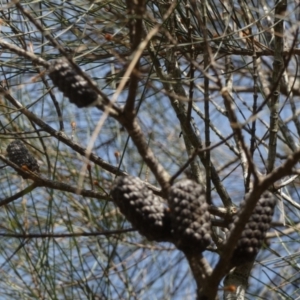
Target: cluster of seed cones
[(186, 221), (73, 85)]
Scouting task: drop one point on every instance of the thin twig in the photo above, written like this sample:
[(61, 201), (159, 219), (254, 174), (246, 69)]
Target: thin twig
[(40, 181), (278, 70), (66, 235), (18, 195), (136, 10)]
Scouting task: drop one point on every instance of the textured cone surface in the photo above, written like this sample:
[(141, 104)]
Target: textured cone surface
[(190, 217), (73, 86), (19, 155), (142, 208), (255, 230)]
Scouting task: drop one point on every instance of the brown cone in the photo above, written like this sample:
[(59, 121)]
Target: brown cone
[(255, 230), (19, 155), (190, 217), (73, 86), (144, 210)]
